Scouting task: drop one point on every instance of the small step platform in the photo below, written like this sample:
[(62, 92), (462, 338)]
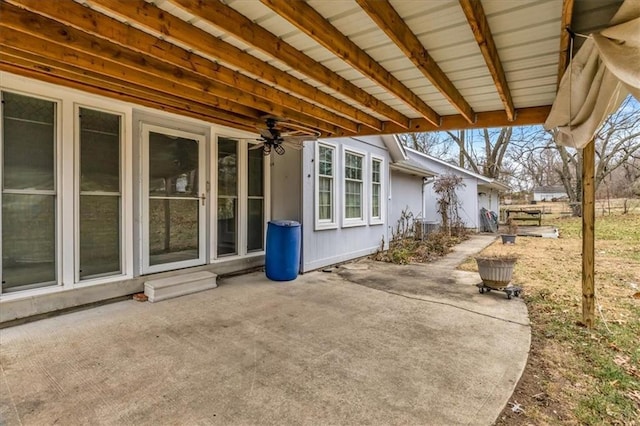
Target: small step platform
[(179, 285), (510, 290)]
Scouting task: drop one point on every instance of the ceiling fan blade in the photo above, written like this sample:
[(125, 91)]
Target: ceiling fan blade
[(265, 133), (297, 142), (293, 145), (256, 146), (299, 139)]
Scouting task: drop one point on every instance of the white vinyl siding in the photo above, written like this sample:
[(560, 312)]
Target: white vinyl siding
[(352, 237)]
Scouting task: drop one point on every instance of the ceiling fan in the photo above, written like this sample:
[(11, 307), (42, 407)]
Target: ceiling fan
[(273, 138)]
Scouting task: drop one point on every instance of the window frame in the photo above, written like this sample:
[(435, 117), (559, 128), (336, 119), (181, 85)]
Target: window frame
[(55, 192), (377, 220), (240, 195), (265, 166), (242, 145), (364, 205), (77, 193), (323, 224)]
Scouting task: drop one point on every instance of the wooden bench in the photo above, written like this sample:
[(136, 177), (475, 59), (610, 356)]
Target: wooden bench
[(525, 215)]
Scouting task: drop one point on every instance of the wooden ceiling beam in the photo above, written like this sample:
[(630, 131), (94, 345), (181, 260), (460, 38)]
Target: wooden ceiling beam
[(169, 26), (233, 22), (477, 19), (309, 21), (43, 47), (150, 71), (84, 19), (102, 91), (92, 65), (565, 37), (386, 17), (490, 119), (123, 90)]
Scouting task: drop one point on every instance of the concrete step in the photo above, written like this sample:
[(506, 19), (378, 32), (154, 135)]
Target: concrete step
[(179, 285)]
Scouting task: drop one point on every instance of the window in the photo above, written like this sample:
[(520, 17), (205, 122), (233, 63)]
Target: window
[(100, 196), (28, 192), (353, 188), (255, 203), (227, 196), (242, 205), (376, 216), (325, 186)]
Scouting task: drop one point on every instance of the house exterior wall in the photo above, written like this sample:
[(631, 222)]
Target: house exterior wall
[(68, 290), (489, 199), (322, 244), (468, 198), (286, 184), (406, 194)]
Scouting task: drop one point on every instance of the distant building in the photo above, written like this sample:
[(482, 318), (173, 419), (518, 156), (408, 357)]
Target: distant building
[(549, 192)]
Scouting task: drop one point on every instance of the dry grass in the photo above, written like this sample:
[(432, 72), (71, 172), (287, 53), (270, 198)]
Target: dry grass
[(576, 375)]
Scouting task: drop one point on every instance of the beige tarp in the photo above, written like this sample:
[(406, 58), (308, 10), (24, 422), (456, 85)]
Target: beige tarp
[(602, 73)]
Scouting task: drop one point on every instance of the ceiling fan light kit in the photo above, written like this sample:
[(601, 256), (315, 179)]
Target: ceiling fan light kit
[(273, 139)]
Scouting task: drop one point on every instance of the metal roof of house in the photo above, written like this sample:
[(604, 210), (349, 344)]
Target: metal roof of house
[(425, 159), (337, 68)]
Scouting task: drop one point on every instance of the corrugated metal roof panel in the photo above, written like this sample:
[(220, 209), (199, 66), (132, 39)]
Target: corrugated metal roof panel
[(521, 14), (528, 50), (529, 73), (503, 6), (526, 33), (333, 9), (429, 16)]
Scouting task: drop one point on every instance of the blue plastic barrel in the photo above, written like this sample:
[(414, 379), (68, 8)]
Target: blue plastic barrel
[(283, 250)]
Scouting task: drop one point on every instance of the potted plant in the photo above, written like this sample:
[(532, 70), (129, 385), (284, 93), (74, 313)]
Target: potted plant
[(512, 232), (496, 270)]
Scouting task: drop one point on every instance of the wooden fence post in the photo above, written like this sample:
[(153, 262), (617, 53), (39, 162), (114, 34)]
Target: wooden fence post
[(588, 237)]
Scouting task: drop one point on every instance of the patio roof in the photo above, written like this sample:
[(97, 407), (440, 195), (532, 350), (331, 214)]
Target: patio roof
[(337, 68)]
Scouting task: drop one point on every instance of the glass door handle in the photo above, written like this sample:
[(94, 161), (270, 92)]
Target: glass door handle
[(203, 197)]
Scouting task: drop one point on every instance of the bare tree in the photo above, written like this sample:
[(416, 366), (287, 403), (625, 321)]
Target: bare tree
[(618, 140), (526, 157), (617, 148), (531, 159), (467, 157), (429, 143), (487, 157)]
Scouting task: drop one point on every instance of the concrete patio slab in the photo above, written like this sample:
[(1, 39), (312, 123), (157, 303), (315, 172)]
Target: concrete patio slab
[(367, 344)]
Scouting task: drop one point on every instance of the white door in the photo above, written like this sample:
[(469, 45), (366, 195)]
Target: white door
[(173, 199)]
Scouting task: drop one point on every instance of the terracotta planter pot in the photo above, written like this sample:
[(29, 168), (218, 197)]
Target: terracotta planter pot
[(496, 272)]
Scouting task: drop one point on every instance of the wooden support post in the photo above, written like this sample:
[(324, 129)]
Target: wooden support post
[(588, 237)]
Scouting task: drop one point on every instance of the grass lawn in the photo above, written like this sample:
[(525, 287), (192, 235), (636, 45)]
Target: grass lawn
[(575, 375)]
